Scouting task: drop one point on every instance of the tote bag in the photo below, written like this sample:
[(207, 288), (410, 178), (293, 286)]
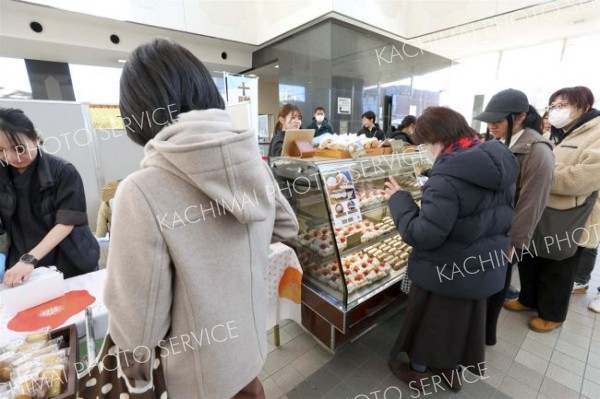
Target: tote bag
[(106, 378), (559, 231)]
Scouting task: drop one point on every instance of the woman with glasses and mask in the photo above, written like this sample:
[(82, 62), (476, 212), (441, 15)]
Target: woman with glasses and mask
[(546, 284), (513, 121)]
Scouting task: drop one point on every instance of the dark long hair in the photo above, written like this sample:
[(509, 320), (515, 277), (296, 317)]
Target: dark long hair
[(14, 123), (532, 120), (164, 79)]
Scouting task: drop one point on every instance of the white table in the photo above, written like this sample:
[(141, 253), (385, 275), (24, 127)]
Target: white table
[(283, 296)]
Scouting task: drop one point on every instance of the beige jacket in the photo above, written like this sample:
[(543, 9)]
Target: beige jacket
[(577, 175), (536, 167), (189, 246)]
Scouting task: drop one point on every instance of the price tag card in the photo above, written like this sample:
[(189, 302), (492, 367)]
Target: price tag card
[(341, 198)]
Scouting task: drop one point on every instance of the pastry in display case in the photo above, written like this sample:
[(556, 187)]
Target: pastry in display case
[(348, 245)]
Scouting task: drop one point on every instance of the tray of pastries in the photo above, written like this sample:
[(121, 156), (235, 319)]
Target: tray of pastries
[(393, 251), (369, 230), (359, 270), (40, 365)]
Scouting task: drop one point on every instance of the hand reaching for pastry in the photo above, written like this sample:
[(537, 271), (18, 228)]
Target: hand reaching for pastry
[(391, 187)]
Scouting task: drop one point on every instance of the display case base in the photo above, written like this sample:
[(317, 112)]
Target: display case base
[(325, 326)]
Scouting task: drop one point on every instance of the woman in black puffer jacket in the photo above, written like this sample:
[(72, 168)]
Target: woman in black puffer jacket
[(460, 246)]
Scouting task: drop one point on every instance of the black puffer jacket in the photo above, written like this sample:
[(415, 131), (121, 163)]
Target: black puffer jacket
[(58, 191), (460, 235)]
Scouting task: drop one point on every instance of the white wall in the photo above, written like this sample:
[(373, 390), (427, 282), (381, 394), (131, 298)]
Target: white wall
[(268, 100)]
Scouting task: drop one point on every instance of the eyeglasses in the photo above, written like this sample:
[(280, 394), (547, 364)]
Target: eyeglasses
[(557, 107)]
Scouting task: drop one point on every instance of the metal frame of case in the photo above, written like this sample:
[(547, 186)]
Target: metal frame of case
[(333, 314)]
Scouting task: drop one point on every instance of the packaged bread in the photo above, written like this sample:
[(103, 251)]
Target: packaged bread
[(324, 143), (42, 335), (7, 360), (55, 378)]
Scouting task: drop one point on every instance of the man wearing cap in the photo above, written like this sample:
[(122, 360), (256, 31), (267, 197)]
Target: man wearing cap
[(512, 120)]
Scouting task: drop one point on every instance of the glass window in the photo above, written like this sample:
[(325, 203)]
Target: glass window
[(291, 93), (95, 84), (14, 81), (471, 77), (580, 64), (533, 70)]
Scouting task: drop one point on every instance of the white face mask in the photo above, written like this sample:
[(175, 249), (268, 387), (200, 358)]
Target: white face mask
[(319, 118), (560, 117)]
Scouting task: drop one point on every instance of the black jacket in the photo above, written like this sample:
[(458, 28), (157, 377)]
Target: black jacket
[(460, 233), (400, 135), (325, 127), (58, 191), (276, 145), (375, 131)]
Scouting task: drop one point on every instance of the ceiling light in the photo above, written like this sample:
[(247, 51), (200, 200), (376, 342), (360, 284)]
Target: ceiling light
[(122, 61), (276, 66)]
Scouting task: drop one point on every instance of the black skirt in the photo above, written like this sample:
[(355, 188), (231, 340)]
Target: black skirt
[(442, 333)]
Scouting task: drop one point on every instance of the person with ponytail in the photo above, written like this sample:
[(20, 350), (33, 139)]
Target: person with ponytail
[(512, 120), (289, 118), (405, 130)]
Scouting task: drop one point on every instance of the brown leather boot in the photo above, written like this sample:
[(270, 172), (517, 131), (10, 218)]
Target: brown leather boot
[(451, 378), (413, 378), (515, 306), (543, 326)]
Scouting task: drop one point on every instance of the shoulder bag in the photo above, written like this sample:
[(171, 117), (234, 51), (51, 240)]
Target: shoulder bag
[(106, 379), (559, 231)]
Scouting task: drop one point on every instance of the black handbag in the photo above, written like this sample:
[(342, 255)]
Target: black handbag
[(559, 232)]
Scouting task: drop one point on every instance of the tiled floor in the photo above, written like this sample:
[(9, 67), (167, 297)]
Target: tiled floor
[(563, 364)]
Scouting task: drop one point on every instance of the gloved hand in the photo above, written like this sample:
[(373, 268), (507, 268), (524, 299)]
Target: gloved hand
[(2, 266)]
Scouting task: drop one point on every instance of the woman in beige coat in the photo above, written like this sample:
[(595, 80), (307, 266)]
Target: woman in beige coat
[(546, 284), (191, 231)]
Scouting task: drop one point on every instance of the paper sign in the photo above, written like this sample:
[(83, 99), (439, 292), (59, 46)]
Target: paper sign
[(341, 197), (344, 105)]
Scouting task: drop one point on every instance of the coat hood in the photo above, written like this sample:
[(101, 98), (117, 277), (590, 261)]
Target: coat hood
[(203, 149), (490, 165)]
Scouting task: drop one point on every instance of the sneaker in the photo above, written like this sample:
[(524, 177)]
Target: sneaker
[(594, 306), (579, 288)]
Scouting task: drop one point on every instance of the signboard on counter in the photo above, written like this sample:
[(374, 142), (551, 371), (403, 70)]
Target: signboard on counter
[(341, 198), (243, 89), (344, 105)]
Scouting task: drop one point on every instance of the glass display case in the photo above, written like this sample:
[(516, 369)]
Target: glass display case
[(352, 255)]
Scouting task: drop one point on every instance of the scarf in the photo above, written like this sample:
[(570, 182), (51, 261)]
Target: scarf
[(463, 143)]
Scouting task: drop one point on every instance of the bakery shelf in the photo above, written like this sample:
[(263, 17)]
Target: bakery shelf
[(329, 312), (366, 244)]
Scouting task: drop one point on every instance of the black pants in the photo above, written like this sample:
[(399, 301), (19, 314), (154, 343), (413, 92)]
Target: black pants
[(546, 284), (586, 265), (494, 306)]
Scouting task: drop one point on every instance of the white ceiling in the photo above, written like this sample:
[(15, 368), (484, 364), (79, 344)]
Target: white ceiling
[(84, 39), (450, 28)]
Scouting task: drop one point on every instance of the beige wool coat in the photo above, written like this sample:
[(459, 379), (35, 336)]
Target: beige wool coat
[(577, 175), (189, 246)]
